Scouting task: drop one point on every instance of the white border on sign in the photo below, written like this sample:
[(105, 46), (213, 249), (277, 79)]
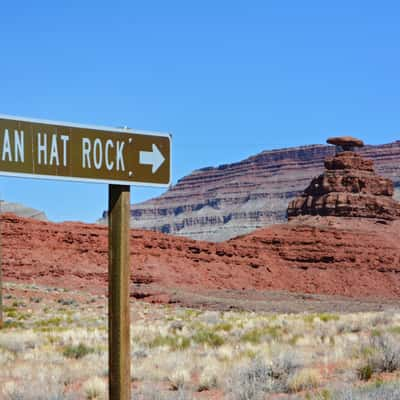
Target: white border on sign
[(83, 126), (92, 127), (83, 180)]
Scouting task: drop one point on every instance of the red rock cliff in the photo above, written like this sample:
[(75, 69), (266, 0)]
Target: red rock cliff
[(335, 256)]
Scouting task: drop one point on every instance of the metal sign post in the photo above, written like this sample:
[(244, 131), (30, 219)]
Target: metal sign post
[(119, 157)]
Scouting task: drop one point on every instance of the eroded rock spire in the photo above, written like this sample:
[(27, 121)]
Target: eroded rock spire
[(349, 187)]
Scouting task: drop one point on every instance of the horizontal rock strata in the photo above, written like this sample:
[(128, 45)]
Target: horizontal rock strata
[(219, 203)]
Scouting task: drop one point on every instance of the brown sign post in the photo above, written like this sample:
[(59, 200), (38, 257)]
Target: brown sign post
[(1, 283), (118, 293), (120, 157)]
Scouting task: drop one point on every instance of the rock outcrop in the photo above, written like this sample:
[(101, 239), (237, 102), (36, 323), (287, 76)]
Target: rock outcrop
[(349, 187), (345, 143), (323, 255), (234, 199)]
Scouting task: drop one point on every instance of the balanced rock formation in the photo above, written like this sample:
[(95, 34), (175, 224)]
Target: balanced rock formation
[(218, 203), (345, 143), (349, 187)]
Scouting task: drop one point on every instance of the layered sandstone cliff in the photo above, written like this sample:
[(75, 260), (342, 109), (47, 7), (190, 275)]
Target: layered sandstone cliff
[(219, 203)]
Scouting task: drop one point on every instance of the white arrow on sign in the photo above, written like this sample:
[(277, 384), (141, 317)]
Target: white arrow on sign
[(153, 158)]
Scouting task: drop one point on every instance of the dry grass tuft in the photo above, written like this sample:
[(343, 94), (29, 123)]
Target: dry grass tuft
[(94, 389), (305, 379)]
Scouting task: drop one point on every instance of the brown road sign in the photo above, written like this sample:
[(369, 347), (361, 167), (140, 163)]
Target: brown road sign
[(54, 150)]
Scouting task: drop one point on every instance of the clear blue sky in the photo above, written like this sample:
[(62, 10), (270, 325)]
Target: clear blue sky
[(228, 78)]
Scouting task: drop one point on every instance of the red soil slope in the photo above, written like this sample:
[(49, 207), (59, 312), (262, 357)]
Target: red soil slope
[(328, 255)]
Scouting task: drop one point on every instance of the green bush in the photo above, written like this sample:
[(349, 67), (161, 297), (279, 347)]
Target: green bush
[(252, 336), (325, 317), (365, 372), (77, 351), (55, 321), (395, 330), (255, 335), (173, 342), (224, 326), (209, 338), (12, 314)]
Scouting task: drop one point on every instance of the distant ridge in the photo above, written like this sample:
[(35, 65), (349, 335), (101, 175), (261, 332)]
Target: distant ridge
[(22, 210), (218, 203)]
